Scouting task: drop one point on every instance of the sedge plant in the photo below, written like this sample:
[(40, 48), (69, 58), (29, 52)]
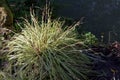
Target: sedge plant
[(44, 50)]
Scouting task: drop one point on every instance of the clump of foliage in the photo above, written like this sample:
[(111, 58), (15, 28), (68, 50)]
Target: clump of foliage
[(89, 38), (4, 37), (45, 51)]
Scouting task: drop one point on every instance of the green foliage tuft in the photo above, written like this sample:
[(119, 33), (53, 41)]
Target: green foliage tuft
[(89, 38)]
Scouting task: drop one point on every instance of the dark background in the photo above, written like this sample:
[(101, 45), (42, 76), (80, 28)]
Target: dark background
[(101, 17)]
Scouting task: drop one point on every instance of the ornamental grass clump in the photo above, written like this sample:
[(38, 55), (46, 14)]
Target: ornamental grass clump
[(46, 51)]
